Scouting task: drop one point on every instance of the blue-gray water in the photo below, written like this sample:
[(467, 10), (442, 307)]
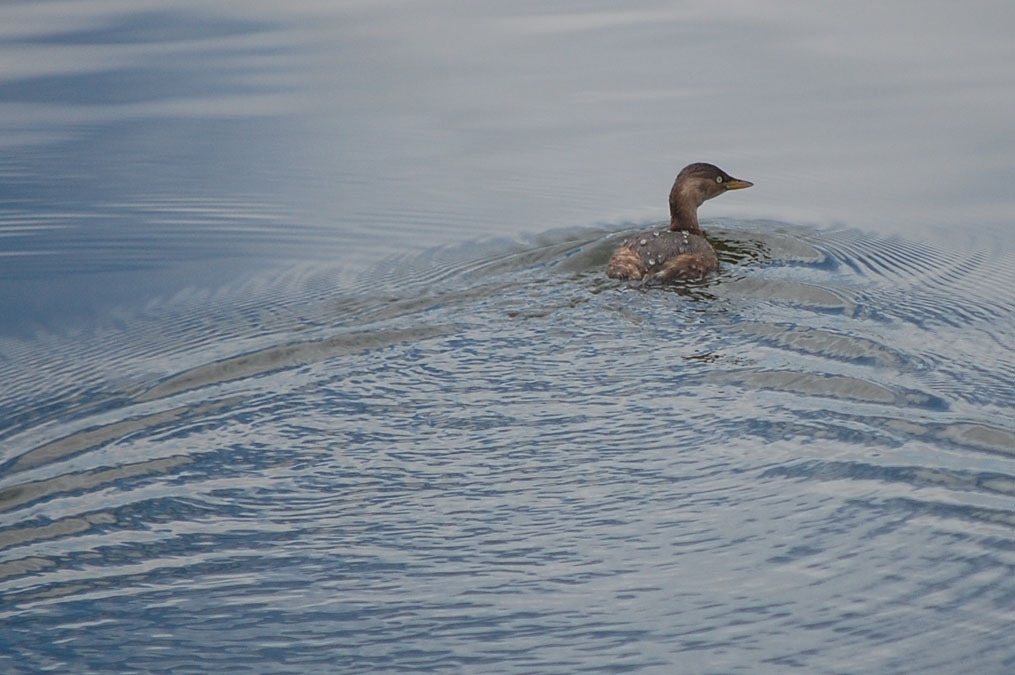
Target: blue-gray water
[(309, 363)]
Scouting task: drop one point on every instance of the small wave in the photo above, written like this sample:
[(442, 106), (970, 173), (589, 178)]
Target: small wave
[(503, 415)]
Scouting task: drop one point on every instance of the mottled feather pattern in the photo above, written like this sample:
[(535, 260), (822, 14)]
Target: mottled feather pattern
[(664, 255), (625, 264)]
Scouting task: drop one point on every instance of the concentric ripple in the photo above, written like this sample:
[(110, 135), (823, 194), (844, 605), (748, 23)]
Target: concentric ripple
[(491, 456)]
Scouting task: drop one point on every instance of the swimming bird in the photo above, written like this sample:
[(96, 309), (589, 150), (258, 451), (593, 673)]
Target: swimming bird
[(680, 252)]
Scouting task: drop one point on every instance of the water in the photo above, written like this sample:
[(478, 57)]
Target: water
[(310, 363)]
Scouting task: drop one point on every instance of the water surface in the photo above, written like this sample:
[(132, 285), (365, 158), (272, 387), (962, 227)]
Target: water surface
[(310, 363)]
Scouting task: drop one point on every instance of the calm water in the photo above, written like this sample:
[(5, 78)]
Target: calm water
[(309, 361)]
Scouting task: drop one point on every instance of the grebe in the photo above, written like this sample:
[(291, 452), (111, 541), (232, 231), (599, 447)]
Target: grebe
[(680, 252)]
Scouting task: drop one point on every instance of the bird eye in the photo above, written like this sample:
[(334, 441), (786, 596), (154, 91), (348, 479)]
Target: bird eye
[(718, 179)]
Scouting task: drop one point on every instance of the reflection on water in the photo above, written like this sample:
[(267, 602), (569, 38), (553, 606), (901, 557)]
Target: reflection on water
[(497, 448), (310, 364)]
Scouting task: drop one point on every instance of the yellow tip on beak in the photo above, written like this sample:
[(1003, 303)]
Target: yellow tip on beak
[(737, 184)]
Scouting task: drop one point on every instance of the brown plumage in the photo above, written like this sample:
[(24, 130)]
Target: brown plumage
[(680, 252)]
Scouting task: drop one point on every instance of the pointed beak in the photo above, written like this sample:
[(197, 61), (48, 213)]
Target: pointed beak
[(737, 184)]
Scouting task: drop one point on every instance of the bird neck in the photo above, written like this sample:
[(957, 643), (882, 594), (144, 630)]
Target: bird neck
[(684, 216), (684, 203)]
